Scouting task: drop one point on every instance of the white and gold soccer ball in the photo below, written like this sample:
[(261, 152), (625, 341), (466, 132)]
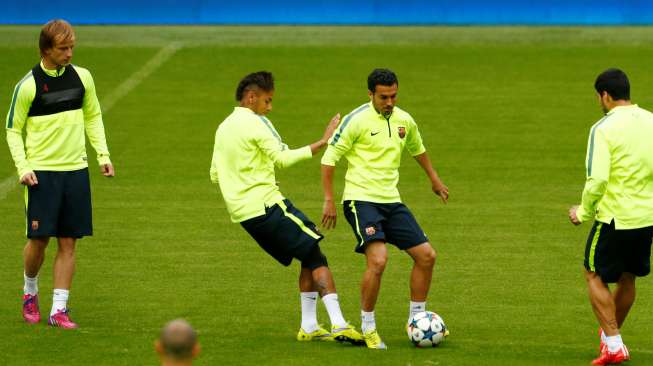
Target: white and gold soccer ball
[(426, 329)]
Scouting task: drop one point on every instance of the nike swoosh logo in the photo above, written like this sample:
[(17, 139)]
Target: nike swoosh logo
[(338, 330), (374, 133)]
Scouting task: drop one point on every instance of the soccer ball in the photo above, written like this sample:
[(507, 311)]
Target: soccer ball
[(426, 329)]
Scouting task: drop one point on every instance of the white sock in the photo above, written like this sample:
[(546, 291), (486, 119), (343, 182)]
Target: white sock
[(603, 336), (59, 300), (368, 323), (614, 343), (309, 311), (416, 307), (31, 285), (333, 308)]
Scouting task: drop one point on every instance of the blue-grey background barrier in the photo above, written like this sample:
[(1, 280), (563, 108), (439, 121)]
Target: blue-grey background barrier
[(336, 12)]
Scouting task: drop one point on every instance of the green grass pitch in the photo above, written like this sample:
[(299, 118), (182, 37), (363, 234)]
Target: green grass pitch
[(504, 113)]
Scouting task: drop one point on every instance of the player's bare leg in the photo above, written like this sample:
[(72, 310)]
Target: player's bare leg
[(323, 281), (376, 254), (64, 268), (624, 297), (64, 263), (602, 303), (306, 280), (420, 278), (34, 254)]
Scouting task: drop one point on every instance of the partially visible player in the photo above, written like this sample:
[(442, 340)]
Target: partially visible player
[(55, 104), (372, 138), (177, 344), (247, 150), (618, 195)]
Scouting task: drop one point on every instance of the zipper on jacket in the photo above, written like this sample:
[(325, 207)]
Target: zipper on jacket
[(388, 120)]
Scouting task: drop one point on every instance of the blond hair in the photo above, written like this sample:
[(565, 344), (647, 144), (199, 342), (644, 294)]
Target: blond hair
[(53, 32)]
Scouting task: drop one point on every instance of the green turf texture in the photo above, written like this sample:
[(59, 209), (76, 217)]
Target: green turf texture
[(504, 113)]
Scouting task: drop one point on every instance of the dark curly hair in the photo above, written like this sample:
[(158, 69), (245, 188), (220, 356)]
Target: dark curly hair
[(381, 77), (262, 80)]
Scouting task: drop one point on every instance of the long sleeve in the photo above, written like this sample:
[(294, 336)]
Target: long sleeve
[(93, 118), (271, 145), (213, 171), (341, 142), (598, 174), (15, 123)]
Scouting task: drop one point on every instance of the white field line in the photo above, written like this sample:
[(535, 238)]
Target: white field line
[(136, 78), (7, 185), (116, 94)]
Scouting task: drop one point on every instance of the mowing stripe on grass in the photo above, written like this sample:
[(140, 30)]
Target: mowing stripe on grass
[(118, 93), (7, 185), (136, 78)]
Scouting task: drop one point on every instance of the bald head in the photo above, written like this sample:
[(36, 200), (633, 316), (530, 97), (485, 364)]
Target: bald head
[(178, 340)]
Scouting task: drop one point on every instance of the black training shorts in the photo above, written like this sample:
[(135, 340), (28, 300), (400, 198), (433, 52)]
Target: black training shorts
[(610, 252), (387, 222), (284, 232), (59, 205)]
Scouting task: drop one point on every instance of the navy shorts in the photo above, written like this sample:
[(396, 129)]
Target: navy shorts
[(284, 232), (610, 252), (60, 205), (387, 222)]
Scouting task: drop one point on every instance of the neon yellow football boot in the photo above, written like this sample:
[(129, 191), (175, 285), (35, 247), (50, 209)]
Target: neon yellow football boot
[(347, 333), (320, 334), (373, 340)]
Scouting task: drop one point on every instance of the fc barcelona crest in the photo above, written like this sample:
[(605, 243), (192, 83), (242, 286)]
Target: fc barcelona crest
[(402, 132)]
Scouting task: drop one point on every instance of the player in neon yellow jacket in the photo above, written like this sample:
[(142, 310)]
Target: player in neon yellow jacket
[(55, 105), (618, 196), (246, 152), (372, 139)]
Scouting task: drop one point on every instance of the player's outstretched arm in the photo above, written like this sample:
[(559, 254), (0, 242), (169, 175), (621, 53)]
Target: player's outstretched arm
[(329, 209), (272, 146), (328, 132), (436, 184)]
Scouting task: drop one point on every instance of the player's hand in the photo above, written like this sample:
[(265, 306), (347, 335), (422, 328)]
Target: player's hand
[(331, 128), (107, 170), (329, 214), (441, 190), (29, 179), (572, 215)]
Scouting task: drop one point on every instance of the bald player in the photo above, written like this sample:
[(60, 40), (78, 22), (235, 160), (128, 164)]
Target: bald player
[(177, 345)]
